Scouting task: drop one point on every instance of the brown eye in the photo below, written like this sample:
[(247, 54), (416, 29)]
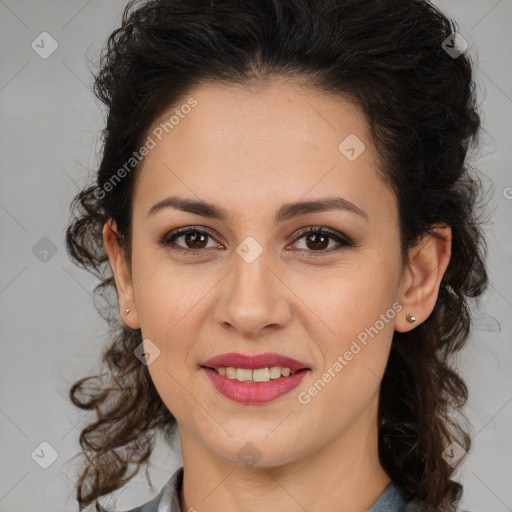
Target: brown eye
[(194, 240), (317, 240)]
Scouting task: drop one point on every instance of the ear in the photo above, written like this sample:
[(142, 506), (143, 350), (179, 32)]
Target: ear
[(122, 275), (427, 263)]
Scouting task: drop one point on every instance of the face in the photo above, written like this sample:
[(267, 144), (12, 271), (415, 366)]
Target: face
[(250, 284)]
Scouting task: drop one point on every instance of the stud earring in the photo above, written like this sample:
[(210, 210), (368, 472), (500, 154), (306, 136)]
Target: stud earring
[(127, 311), (411, 319)]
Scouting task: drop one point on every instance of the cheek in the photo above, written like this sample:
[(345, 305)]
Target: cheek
[(353, 319), (348, 298), (167, 295), (354, 361), (169, 305)]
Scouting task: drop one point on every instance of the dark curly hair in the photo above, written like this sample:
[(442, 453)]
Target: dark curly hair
[(387, 56)]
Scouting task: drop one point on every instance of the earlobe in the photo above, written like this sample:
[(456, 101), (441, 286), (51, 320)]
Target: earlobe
[(422, 278), (122, 275)]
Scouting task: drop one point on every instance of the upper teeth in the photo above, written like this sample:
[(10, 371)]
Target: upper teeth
[(257, 375)]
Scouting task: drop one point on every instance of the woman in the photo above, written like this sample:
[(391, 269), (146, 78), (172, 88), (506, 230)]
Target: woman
[(285, 213)]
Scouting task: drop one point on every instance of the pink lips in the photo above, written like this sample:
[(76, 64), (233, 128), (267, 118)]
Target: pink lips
[(265, 360), (254, 392)]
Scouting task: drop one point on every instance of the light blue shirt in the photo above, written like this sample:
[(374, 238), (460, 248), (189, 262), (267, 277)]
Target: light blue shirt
[(168, 499)]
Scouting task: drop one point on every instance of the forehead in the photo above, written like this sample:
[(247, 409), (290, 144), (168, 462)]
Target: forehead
[(251, 147), (240, 118)]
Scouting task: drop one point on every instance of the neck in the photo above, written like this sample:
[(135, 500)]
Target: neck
[(343, 475)]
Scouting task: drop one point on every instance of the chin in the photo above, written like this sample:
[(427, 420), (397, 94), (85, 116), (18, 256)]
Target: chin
[(256, 450)]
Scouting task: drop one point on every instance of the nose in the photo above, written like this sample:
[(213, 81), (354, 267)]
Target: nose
[(253, 299)]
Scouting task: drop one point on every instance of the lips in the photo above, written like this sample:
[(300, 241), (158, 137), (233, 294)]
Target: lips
[(252, 362), (254, 393)]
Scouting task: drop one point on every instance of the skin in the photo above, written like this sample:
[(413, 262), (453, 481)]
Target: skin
[(249, 151)]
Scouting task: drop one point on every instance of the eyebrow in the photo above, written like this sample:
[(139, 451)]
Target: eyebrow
[(286, 211)]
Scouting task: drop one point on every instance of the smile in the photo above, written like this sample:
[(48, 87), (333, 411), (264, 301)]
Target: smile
[(242, 384), (255, 375)]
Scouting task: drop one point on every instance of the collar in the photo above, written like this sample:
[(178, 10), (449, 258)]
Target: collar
[(168, 499)]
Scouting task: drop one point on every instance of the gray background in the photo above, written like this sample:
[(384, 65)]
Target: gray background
[(51, 334)]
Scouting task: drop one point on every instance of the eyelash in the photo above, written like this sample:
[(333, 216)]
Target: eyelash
[(167, 239)]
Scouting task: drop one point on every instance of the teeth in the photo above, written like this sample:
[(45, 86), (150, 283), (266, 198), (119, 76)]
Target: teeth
[(261, 375), (275, 372), (243, 374), (231, 372), (256, 375)]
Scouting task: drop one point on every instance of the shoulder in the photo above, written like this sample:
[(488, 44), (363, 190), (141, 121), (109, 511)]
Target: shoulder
[(150, 506), (167, 499), (413, 507), (395, 499)]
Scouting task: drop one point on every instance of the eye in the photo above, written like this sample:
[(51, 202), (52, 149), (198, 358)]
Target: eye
[(196, 240), (318, 238)]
